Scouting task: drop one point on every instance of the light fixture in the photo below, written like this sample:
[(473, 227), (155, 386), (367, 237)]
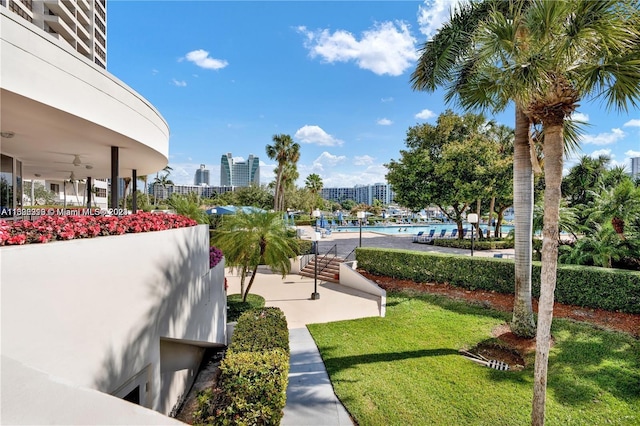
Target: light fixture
[(472, 218), (72, 177), (361, 215), (76, 160), (7, 135), (37, 175), (315, 238), (88, 167)]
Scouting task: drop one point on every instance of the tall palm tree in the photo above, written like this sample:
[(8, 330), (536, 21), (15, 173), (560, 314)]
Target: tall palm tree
[(164, 182), (145, 180), (313, 183), (253, 239), (285, 151), (547, 56), (445, 62)]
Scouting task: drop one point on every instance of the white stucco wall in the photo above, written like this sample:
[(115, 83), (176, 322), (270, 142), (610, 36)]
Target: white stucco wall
[(349, 277), (94, 311)]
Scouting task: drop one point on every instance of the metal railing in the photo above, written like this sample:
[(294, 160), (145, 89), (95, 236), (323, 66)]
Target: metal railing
[(324, 261), (351, 255)]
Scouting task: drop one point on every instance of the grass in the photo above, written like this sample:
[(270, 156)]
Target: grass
[(235, 305), (404, 369)]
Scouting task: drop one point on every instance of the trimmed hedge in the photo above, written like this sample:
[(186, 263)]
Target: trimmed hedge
[(236, 307), (252, 388), (261, 330), (477, 245), (587, 286)]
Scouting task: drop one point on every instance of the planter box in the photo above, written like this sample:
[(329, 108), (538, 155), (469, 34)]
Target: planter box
[(106, 312)]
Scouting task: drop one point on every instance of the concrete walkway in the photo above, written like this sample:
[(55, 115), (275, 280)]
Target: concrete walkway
[(310, 397)]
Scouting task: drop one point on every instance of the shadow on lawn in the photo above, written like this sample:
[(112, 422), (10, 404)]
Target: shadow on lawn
[(336, 364)]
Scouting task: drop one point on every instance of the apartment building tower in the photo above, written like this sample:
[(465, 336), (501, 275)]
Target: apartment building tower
[(239, 173), (79, 24), (635, 167), (202, 176)]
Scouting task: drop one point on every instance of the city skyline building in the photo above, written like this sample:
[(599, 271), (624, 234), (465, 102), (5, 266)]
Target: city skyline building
[(635, 167), (202, 176), (361, 194), (239, 173)]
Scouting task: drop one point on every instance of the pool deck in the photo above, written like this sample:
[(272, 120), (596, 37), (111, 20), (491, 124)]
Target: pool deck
[(347, 241)]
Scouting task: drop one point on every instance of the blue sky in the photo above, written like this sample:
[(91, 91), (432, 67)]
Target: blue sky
[(334, 75)]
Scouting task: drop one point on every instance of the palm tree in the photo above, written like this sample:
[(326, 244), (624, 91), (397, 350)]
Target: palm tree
[(547, 56), (145, 179), (314, 184), (444, 61), (284, 151), (250, 240), (127, 182), (163, 181)]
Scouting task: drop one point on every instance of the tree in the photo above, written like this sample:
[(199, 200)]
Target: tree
[(313, 183), (253, 239), (164, 182), (286, 152), (40, 194), (547, 55), (448, 60), (253, 195), (447, 165), (145, 180)]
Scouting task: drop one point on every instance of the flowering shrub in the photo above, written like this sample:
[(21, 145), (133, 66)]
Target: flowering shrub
[(51, 228), (215, 256)]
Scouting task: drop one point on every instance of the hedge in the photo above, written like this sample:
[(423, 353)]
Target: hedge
[(586, 286), (259, 330), (251, 389), (465, 243)]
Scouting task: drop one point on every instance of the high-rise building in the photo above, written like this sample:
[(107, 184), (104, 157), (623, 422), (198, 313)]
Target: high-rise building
[(239, 173), (82, 25), (635, 167), (364, 194), (202, 176)]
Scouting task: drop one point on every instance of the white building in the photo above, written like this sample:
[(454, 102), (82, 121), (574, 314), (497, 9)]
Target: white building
[(202, 176), (239, 173), (635, 167), (87, 322)]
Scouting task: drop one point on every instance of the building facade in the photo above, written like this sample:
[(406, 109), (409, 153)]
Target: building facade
[(635, 167), (159, 192), (361, 194), (80, 24), (239, 173), (202, 176)]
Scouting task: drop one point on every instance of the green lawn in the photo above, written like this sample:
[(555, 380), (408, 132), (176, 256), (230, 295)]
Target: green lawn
[(405, 369)]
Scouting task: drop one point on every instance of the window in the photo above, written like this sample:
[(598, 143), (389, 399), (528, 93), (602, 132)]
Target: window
[(6, 186), (54, 187)]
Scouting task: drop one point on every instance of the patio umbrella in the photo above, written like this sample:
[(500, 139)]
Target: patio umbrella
[(340, 218)]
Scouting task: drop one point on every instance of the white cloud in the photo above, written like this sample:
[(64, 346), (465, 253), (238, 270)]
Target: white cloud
[(326, 160), (433, 13), (604, 138), (578, 116), (202, 59), (389, 99), (632, 154), (154, 71), (632, 123), (179, 83), (362, 160), (384, 122), (425, 114), (387, 48), (599, 152), (315, 135)]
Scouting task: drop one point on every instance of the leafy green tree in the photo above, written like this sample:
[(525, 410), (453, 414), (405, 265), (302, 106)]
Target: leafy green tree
[(287, 153), (348, 205), (448, 165), (250, 240), (619, 204), (583, 179), (41, 194), (164, 181), (253, 195)]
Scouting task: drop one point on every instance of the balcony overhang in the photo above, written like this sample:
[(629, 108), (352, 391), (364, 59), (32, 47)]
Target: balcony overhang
[(57, 104)]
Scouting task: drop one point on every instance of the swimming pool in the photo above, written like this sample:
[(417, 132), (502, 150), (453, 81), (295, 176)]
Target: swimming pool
[(413, 229)]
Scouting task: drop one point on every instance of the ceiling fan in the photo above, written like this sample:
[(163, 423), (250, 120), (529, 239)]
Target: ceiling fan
[(77, 162)]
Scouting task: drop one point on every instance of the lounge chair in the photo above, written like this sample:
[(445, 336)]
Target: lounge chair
[(417, 236), (454, 233), (427, 238)]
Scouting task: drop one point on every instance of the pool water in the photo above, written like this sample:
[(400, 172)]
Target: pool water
[(412, 230)]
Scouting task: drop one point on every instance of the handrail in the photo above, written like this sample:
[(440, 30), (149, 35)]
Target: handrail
[(353, 252), (332, 249)]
